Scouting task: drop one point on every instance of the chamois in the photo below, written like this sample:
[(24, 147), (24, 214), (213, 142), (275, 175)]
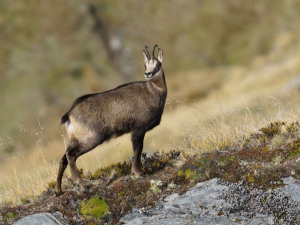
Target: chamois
[(134, 107)]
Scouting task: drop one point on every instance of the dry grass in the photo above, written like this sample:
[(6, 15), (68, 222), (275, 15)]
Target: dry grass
[(231, 129)]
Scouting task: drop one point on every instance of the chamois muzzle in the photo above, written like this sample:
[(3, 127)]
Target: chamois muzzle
[(148, 75)]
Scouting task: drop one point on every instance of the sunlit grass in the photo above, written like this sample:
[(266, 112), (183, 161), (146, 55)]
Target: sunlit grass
[(27, 179), (231, 128)]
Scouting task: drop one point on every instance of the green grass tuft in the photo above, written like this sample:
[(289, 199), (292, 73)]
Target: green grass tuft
[(9, 215), (296, 149)]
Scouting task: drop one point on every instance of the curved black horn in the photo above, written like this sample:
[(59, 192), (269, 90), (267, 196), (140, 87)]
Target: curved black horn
[(154, 51), (146, 47)]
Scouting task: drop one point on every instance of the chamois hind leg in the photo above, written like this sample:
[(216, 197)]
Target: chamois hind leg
[(72, 155), (62, 166), (137, 139)]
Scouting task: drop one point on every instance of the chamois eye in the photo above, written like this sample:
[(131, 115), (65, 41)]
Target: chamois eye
[(145, 66)]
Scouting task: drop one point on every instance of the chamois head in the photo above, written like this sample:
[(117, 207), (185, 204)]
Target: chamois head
[(153, 67)]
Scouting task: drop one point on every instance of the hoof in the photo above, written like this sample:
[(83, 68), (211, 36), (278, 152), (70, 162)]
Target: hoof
[(138, 174), (85, 189), (58, 193)]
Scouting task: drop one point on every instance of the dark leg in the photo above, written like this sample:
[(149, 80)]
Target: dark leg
[(72, 156), (75, 149), (137, 139), (62, 166), (73, 152)]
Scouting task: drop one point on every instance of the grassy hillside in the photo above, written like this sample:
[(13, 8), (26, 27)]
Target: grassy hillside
[(231, 68), (51, 52)]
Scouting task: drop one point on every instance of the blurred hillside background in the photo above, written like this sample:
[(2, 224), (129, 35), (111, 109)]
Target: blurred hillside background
[(219, 57)]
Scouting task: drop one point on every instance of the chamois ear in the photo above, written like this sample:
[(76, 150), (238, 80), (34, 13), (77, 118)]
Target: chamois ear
[(160, 55), (146, 59)]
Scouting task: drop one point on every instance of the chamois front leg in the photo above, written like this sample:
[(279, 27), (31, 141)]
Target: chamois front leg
[(137, 139)]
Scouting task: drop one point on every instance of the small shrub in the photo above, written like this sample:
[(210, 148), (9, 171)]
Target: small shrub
[(9, 216), (24, 200), (278, 140), (172, 185), (272, 129), (51, 184), (277, 160), (295, 149), (293, 130), (267, 133)]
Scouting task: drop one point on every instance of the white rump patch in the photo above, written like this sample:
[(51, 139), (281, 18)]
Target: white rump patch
[(70, 128)]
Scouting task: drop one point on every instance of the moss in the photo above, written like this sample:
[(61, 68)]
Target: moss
[(9, 215), (94, 207), (188, 173), (180, 173), (226, 159)]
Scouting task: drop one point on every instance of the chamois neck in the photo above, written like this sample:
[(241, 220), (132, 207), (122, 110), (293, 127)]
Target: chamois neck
[(159, 81)]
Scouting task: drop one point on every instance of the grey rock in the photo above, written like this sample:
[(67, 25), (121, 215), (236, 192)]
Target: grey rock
[(292, 188), (160, 204), (200, 205), (43, 219), (237, 202), (257, 221), (132, 216)]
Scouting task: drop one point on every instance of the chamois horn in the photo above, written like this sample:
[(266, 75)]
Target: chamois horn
[(148, 55), (154, 51)]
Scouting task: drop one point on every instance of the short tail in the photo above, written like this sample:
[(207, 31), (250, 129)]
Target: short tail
[(65, 118)]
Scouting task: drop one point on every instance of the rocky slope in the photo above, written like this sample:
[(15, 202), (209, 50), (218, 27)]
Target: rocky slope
[(254, 183)]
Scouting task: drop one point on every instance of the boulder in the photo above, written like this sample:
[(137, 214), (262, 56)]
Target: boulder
[(43, 219)]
